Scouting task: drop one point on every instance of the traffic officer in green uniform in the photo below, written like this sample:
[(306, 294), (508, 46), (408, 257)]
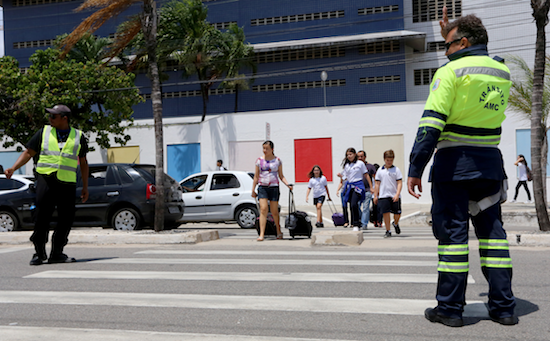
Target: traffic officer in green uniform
[(57, 150), (462, 119)]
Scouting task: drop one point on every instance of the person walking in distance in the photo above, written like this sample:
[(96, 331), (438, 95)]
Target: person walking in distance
[(219, 165), (269, 169), (387, 193), (57, 149), (354, 191), (523, 169), (462, 118), (369, 190), (318, 182)]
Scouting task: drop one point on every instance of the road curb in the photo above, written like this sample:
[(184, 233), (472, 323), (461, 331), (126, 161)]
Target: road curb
[(124, 237), (515, 219), (337, 238), (529, 238)]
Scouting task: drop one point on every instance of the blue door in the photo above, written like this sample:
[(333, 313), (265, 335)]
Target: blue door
[(183, 160)]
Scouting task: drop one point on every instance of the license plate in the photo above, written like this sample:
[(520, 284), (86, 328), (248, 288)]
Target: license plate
[(174, 209)]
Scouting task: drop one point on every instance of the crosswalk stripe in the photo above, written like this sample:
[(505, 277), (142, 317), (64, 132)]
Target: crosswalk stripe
[(21, 333), (14, 249), (245, 276), (349, 262), (273, 303), (289, 253)]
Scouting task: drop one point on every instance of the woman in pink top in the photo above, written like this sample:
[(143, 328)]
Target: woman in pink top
[(269, 169)]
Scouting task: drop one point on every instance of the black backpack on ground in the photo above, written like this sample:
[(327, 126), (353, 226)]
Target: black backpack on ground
[(297, 222)]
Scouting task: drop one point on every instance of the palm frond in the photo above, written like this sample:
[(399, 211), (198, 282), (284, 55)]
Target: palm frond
[(108, 9)]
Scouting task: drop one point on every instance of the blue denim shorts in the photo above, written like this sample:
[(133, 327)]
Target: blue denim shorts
[(270, 193)]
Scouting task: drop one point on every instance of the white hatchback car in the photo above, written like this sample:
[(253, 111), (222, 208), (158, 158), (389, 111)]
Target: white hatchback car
[(219, 196), (16, 183)]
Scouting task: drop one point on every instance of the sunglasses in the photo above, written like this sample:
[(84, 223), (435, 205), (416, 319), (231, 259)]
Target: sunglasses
[(54, 116), (448, 45)]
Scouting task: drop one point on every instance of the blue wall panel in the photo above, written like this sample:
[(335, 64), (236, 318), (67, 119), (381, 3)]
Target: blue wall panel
[(523, 146), (183, 160)]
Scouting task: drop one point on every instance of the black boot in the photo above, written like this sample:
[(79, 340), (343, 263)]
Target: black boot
[(40, 255)]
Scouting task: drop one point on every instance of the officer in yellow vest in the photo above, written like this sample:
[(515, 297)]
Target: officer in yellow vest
[(57, 150), (462, 119)]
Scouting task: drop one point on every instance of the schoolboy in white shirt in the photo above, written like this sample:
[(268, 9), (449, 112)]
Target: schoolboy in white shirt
[(387, 193)]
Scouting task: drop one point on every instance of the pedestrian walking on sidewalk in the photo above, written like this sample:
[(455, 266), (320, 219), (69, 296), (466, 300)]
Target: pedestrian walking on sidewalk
[(269, 169), (318, 182), (462, 118), (57, 149), (354, 191), (369, 189), (387, 193), (524, 174)]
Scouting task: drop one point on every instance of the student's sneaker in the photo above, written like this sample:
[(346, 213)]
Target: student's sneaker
[(388, 234), (513, 200), (319, 225), (356, 229), (364, 227), (396, 227), (529, 202)]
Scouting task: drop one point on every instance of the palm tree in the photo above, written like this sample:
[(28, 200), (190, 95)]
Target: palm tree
[(521, 101), (88, 48), (540, 13), (146, 23), (238, 56), (193, 42)]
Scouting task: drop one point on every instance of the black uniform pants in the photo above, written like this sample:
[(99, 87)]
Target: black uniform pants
[(51, 194), (450, 226)]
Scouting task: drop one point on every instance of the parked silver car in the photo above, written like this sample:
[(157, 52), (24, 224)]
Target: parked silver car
[(219, 196)]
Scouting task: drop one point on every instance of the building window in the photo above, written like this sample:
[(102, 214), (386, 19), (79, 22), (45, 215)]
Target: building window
[(298, 86), (376, 10), (435, 46), (19, 3), (223, 25), (301, 54), (191, 93), (296, 18), (380, 79), (431, 10), (34, 43), (380, 47), (424, 76)]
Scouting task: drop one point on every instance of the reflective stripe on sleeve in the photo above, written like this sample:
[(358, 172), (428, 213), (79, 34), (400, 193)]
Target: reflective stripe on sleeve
[(432, 122), (453, 266), (493, 244), (494, 262), (480, 70), (460, 249)]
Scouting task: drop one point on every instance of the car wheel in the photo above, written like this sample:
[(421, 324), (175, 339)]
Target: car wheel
[(8, 222), (125, 219), (246, 217)]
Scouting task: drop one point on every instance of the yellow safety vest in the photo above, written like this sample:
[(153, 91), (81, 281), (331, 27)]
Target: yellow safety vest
[(63, 161)]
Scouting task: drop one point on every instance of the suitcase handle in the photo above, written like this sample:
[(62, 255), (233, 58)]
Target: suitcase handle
[(333, 207), (291, 204)]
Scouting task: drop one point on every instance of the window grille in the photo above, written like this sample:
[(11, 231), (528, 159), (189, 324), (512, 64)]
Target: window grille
[(431, 10), (380, 79), (301, 54), (296, 18), (377, 10), (435, 46), (20, 3), (298, 86), (223, 25), (34, 43), (424, 76), (380, 47)]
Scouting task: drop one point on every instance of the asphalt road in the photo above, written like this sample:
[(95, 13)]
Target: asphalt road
[(238, 289)]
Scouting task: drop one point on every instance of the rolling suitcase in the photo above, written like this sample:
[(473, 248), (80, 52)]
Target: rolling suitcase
[(270, 229), (337, 218), (297, 222)]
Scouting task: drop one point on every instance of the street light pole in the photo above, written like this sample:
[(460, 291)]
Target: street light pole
[(324, 77)]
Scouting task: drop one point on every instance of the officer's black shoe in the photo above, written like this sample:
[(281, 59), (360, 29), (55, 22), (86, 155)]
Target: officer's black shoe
[(434, 316), (60, 258), (38, 259), (507, 321)]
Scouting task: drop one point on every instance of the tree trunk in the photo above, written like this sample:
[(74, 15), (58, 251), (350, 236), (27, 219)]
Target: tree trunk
[(149, 23), (204, 93), (540, 13), (236, 98)]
